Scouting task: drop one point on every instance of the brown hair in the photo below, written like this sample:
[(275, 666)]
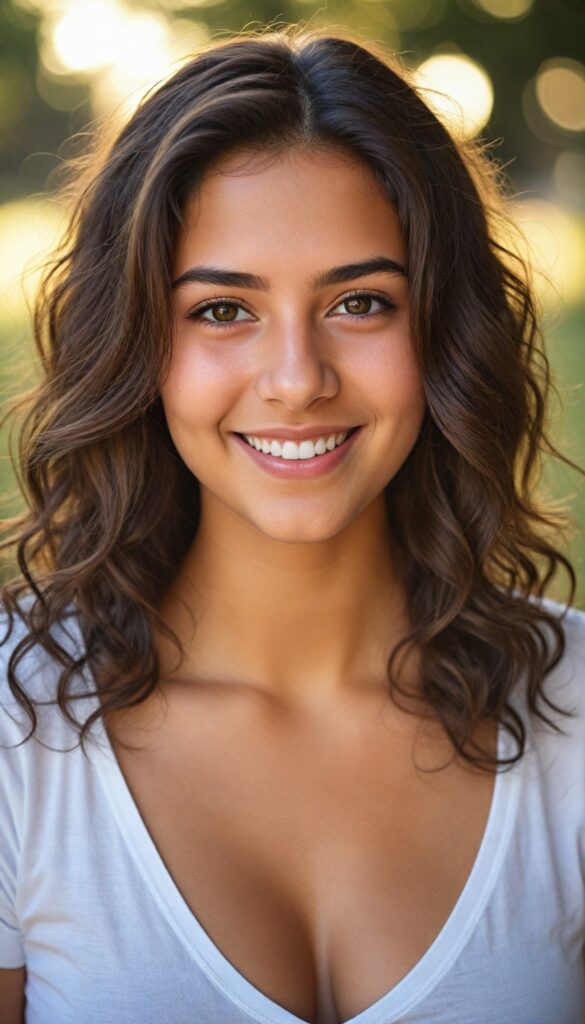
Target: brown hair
[(112, 508)]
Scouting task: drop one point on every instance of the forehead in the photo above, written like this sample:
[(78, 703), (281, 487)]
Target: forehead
[(312, 204)]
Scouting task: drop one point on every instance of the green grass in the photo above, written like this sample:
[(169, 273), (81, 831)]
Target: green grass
[(566, 351)]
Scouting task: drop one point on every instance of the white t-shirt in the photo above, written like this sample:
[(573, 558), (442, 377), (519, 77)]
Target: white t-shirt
[(87, 904)]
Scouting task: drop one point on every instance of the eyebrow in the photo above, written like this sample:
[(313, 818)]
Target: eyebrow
[(335, 275)]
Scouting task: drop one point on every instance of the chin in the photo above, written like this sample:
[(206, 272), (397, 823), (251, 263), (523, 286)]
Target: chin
[(300, 529)]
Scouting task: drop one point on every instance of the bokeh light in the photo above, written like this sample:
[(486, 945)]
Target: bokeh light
[(507, 9), (89, 34), (29, 229), (143, 53), (560, 89), (152, 54), (553, 240), (178, 5), (119, 51), (458, 90)]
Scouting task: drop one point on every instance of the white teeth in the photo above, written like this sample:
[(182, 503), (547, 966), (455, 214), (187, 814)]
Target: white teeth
[(291, 450)]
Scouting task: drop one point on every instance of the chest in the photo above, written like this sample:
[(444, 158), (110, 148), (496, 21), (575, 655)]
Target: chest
[(317, 858)]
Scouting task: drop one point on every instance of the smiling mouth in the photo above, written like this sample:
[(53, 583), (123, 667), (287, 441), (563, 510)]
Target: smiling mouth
[(290, 451)]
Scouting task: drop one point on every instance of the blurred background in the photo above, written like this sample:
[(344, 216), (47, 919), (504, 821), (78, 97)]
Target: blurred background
[(508, 71)]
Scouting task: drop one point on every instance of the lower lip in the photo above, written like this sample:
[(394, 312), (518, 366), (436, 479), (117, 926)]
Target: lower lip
[(300, 469)]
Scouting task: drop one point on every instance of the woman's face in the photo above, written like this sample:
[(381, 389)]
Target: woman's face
[(290, 345)]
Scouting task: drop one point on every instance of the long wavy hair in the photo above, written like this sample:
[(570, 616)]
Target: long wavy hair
[(111, 508)]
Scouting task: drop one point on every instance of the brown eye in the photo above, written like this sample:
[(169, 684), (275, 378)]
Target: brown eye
[(359, 304), (221, 313), (221, 310)]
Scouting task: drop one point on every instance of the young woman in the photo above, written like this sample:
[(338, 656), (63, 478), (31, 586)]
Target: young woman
[(290, 730)]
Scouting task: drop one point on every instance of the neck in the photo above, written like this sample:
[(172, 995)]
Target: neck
[(303, 623)]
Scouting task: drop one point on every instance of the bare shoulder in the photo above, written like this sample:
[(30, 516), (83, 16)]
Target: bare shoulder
[(12, 982)]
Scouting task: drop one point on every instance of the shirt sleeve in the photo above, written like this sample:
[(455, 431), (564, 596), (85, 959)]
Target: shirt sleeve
[(11, 941), (11, 803), (568, 690)]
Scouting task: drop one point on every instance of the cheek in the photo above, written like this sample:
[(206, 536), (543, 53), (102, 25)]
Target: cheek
[(394, 383), (398, 404), (197, 394)]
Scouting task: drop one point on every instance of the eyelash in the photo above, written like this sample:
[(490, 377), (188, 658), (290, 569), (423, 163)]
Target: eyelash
[(197, 313)]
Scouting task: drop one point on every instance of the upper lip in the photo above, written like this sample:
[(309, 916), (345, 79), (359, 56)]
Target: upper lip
[(298, 433)]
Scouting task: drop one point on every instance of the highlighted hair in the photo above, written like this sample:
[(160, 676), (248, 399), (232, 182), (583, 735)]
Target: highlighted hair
[(111, 507)]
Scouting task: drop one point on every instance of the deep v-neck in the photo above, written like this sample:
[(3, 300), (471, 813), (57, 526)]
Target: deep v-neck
[(402, 997)]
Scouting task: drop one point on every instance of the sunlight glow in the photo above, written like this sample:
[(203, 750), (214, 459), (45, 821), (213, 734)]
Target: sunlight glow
[(156, 49), (560, 89), (178, 5), (554, 242), (464, 95), (505, 8), (89, 34), (28, 231), (120, 51)]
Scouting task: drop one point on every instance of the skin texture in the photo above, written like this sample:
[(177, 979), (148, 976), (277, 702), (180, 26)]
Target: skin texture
[(281, 790), (12, 982), (275, 560)]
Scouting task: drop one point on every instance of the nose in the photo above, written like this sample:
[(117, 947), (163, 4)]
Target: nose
[(296, 369)]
